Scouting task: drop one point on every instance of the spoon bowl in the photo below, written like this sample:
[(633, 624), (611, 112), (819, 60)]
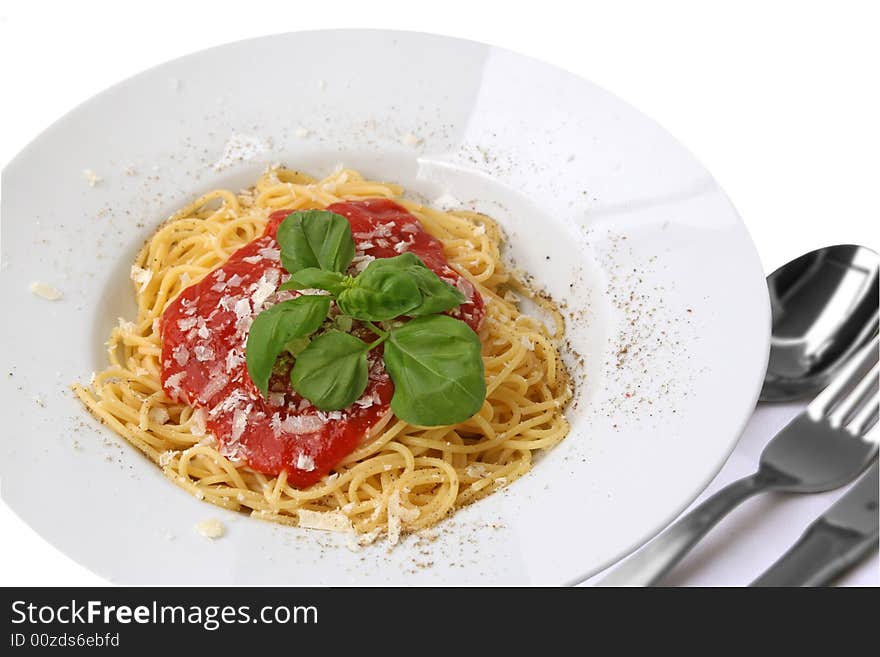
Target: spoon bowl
[(824, 307)]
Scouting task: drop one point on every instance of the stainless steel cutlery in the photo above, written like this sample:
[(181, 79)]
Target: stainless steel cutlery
[(824, 307), (824, 447), (834, 542)]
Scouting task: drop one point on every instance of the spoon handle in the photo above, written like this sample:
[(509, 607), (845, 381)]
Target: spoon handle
[(655, 560)]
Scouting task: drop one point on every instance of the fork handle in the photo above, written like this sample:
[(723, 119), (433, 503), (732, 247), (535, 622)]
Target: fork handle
[(655, 560)]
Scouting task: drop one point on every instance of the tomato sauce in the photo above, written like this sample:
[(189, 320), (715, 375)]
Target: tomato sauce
[(204, 332)]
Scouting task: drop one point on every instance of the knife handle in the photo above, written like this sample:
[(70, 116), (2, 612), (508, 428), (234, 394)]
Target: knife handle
[(822, 553)]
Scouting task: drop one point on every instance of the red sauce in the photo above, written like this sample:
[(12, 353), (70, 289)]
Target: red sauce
[(204, 332)]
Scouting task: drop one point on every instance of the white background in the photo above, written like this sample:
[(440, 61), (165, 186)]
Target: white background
[(780, 101)]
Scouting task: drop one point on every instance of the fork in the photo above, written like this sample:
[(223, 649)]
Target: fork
[(827, 445)]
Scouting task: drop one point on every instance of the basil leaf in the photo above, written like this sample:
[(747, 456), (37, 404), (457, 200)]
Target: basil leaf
[(272, 329), (314, 278), (380, 293), (437, 370), (437, 294), (332, 371), (315, 238), (371, 291)]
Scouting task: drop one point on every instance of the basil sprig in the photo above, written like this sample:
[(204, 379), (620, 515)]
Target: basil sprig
[(434, 360)]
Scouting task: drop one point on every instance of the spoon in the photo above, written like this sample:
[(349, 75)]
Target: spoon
[(824, 307)]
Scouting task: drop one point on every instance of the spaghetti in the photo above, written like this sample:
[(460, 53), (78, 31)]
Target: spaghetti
[(400, 477)]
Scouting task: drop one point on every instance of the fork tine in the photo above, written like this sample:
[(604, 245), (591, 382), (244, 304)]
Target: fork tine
[(866, 418), (872, 434), (850, 374), (855, 400)]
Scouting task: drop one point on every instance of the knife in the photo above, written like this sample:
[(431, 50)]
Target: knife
[(834, 542)]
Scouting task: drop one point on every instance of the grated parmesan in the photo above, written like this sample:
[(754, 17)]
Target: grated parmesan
[(305, 462), (243, 318), (368, 400), (173, 383), (302, 424), (269, 253), (239, 421), (360, 262), (275, 424), (187, 324), (331, 521), (141, 276), (240, 148), (229, 403), (197, 422), (264, 288), (234, 359), (211, 528), (158, 415), (45, 291), (91, 177), (166, 457), (203, 353), (180, 354), (125, 326)]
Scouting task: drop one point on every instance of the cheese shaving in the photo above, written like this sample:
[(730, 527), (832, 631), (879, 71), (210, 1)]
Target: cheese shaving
[(45, 291)]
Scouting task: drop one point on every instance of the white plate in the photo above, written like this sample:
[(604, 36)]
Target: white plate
[(665, 294)]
